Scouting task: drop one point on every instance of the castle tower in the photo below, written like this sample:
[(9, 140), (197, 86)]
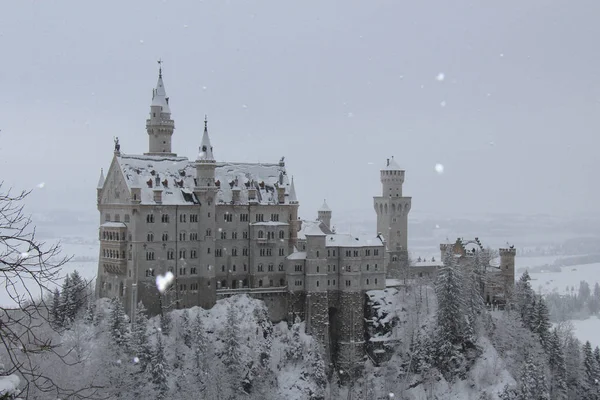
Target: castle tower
[(324, 214), (206, 192), (392, 217), (100, 186), (294, 222), (507, 266), (160, 126), (315, 279)]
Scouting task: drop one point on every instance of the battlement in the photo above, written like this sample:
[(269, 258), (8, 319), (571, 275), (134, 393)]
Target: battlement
[(508, 252)]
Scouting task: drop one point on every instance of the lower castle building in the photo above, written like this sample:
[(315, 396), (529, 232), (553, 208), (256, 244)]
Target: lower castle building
[(225, 228)]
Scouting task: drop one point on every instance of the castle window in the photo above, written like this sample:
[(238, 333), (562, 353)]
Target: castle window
[(165, 218), (367, 281), (261, 234), (181, 271), (223, 235), (375, 252), (243, 217), (245, 268), (280, 268), (317, 253), (298, 268), (328, 282), (234, 252), (149, 255), (348, 283), (245, 283), (375, 267), (328, 253), (317, 269), (270, 267), (367, 252), (193, 271), (150, 237), (165, 237), (208, 250), (376, 281), (245, 251), (233, 268), (182, 254), (234, 235), (356, 253), (194, 286), (260, 268), (281, 234), (193, 254), (117, 218), (334, 282), (334, 268), (282, 282), (170, 255), (348, 268), (193, 236), (275, 217), (259, 217), (182, 236), (245, 234), (182, 218), (224, 283), (222, 268), (271, 282), (282, 252), (367, 267), (317, 283), (348, 253), (107, 218), (218, 252), (193, 217), (228, 217), (150, 218), (334, 254), (260, 283), (208, 232)]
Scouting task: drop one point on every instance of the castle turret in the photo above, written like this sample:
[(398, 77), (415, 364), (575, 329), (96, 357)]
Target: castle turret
[(160, 126), (507, 266), (392, 217), (324, 214), (206, 192), (100, 185)]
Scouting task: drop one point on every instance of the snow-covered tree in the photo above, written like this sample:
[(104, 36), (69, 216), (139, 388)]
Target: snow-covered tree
[(295, 348), (55, 311), (532, 382), (525, 299), (540, 322), (165, 323), (231, 348), (90, 313), (118, 323), (597, 354), (591, 377), (556, 361), (184, 329), (449, 339), (574, 365), (316, 367), (140, 344), (199, 343), (158, 369)]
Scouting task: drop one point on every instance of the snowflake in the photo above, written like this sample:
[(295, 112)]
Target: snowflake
[(439, 168), (440, 77), (163, 282), (41, 185)]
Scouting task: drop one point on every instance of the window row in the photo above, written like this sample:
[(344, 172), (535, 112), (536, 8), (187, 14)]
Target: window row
[(110, 253), (116, 218), (108, 235)]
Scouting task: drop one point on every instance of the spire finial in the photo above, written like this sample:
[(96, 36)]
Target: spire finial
[(205, 122), (159, 67)]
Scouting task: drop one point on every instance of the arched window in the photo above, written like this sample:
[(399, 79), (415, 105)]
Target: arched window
[(281, 234), (261, 234), (282, 282), (260, 283), (150, 237)]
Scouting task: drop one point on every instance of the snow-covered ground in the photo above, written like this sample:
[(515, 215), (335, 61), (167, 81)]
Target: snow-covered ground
[(587, 330), (569, 276)]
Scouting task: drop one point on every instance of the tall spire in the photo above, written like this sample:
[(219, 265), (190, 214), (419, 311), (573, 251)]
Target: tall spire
[(325, 207), (159, 94), (292, 196), (206, 150)]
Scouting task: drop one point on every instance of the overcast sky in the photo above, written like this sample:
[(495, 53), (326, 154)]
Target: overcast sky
[(334, 86)]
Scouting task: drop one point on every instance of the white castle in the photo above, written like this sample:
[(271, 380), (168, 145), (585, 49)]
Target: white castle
[(225, 228)]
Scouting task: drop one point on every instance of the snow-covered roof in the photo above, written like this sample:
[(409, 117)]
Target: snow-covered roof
[(313, 228), (113, 225), (427, 264), (270, 223), (392, 165), (292, 196), (348, 240), (297, 255), (176, 178), (159, 96), (325, 207)]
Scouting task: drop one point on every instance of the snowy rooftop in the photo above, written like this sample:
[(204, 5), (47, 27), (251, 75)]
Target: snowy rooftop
[(297, 255), (312, 228), (427, 264), (113, 225), (348, 240), (270, 223), (392, 165), (175, 175)]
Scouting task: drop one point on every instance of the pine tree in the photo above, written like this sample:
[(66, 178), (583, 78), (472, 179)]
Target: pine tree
[(449, 337), (317, 367), (118, 323), (158, 369), (231, 348), (525, 299), (78, 293), (591, 373), (140, 343), (532, 382), (540, 322), (66, 302), (165, 323), (556, 361), (90, 313), (185, 332), (574, 368), (199, 343), (295, 349), (55, 311), (597, 354)]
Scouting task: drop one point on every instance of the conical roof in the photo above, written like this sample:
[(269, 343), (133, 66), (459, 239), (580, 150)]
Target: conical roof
[(325, 207), (101, 180), (159, 94), (206, 150)]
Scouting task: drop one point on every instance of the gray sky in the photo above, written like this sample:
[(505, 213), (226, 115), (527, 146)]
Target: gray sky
[(335, 86)]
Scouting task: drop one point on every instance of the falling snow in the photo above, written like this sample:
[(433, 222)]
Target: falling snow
[(440, 77), (163, 282), (439, 168)]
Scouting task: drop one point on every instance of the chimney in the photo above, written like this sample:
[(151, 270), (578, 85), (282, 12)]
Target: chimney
[(251, 193), (235, 195), (281, 194)]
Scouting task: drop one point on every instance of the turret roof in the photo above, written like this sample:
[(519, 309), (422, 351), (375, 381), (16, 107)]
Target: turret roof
[(324, 207), (206, 150), (101, 179), (159, 95), (392, 165)]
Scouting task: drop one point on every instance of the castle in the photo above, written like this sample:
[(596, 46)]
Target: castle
[(225, 228)]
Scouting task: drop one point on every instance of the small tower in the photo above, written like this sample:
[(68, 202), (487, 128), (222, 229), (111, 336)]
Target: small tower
[(206, 192), (100, 185), (324, 214), (392, 217), (160, 126), (507, 266)]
